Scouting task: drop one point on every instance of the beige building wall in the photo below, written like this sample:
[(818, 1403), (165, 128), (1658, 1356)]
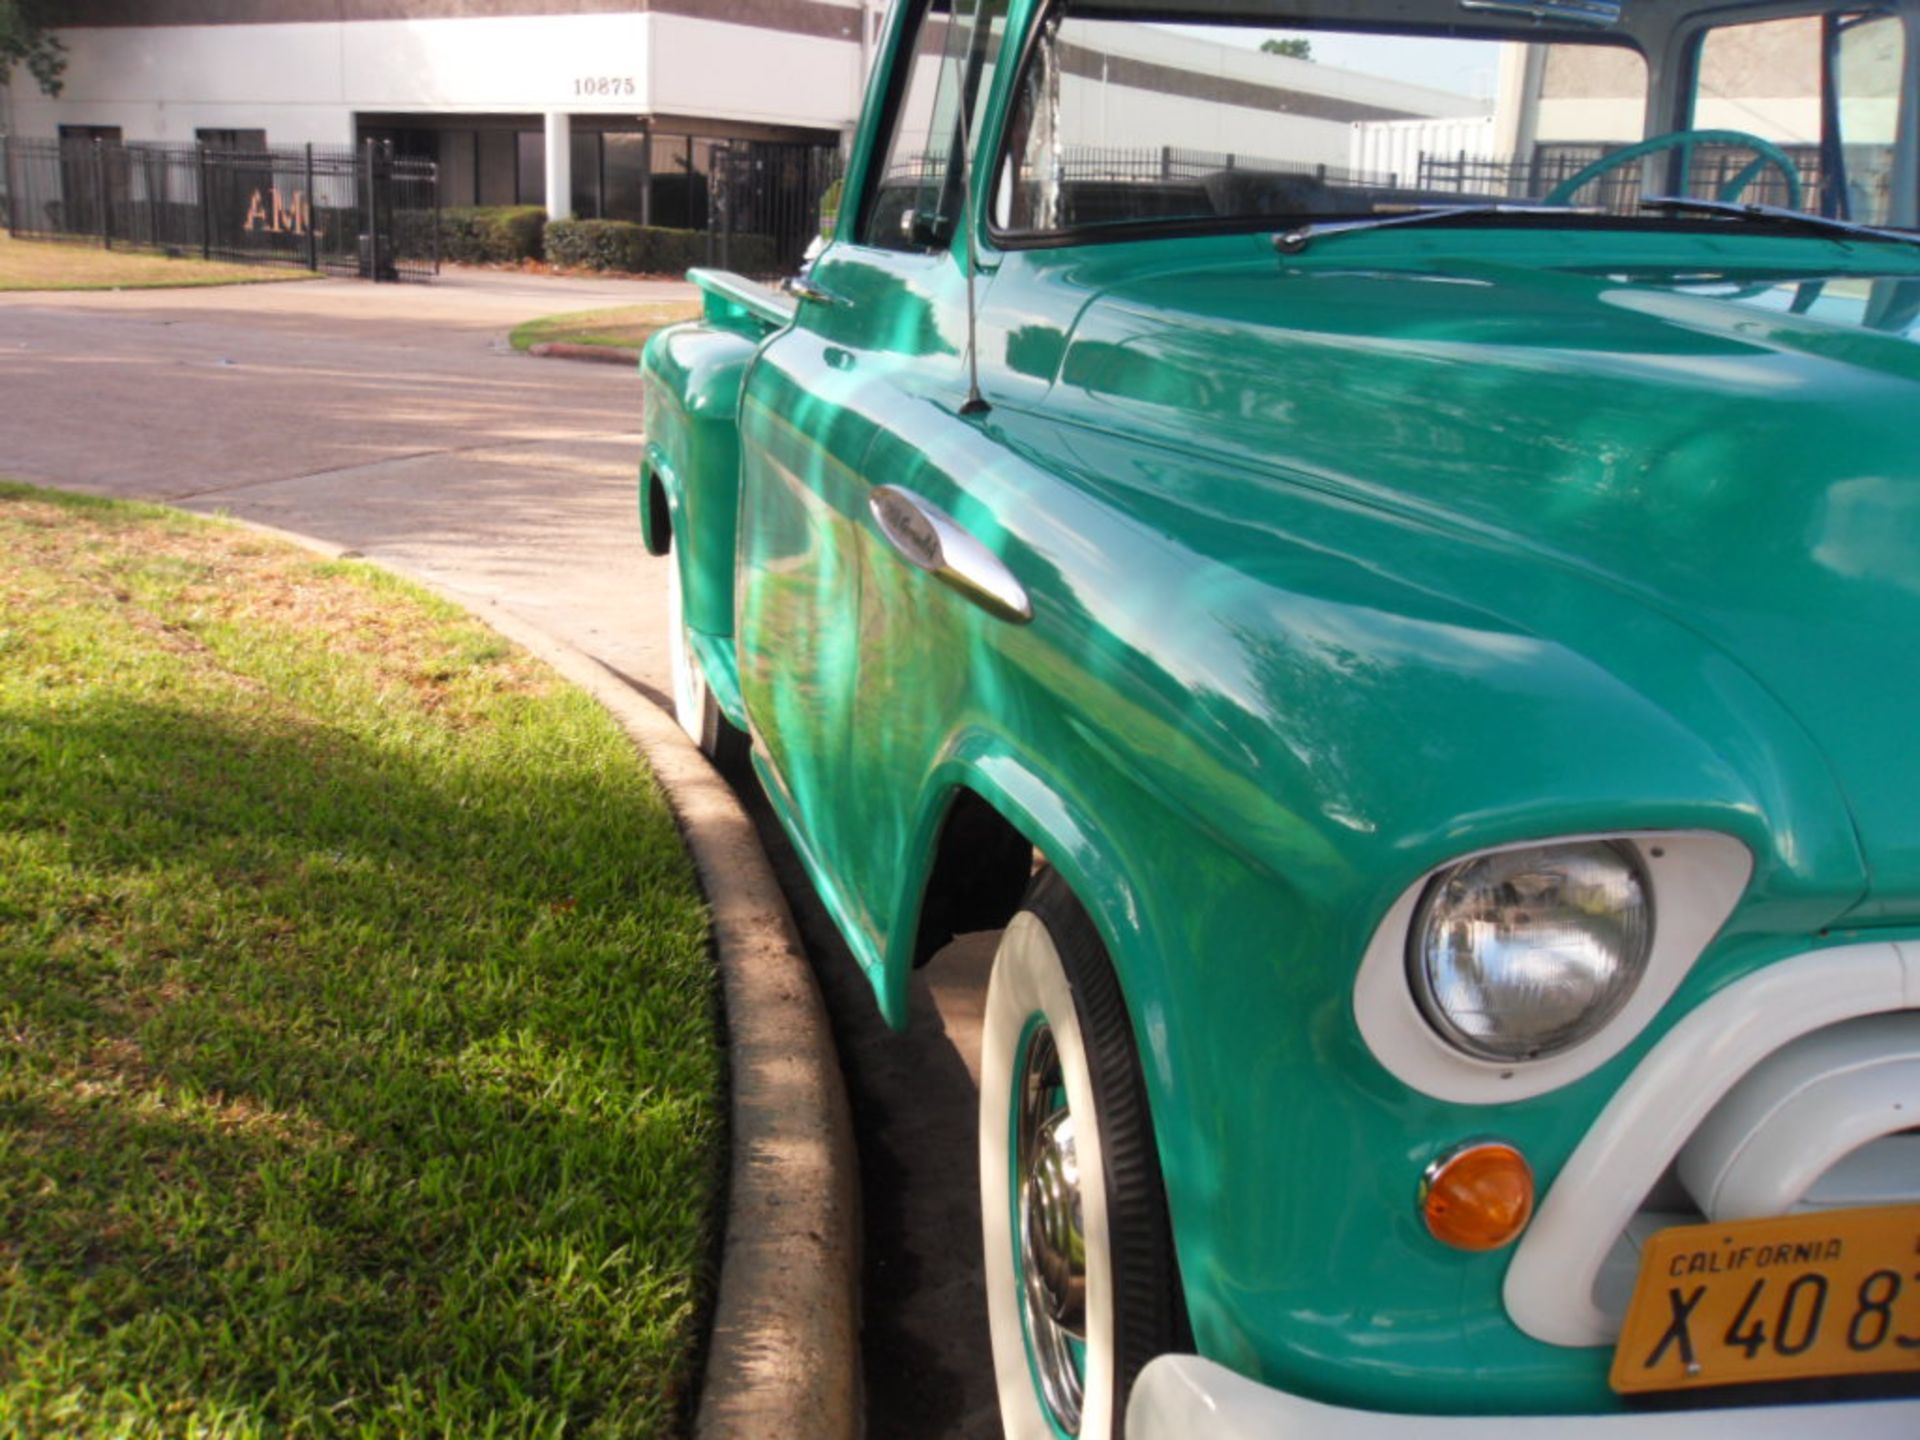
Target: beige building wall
[(1762, 78), (1592, 92)]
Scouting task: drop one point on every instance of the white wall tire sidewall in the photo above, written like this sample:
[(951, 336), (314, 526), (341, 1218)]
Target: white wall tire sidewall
[(1028, 978), (690, 698)]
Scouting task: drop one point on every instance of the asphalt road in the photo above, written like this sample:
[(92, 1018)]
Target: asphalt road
[(392, 419), (396, 421)]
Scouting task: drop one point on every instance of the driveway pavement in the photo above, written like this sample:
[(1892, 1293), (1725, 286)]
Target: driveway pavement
[(395, 420)]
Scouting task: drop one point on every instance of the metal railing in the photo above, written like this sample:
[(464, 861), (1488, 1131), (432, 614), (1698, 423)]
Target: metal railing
[(1147, 164), (339, 209), (1617, 191)]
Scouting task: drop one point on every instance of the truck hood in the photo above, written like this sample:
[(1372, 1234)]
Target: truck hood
[(1743, 459)]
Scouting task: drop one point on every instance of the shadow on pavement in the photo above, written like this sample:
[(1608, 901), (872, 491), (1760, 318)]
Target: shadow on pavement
[(924, 1341)]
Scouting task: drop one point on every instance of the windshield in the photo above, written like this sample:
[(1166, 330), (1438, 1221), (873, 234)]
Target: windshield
[(1125, 120)]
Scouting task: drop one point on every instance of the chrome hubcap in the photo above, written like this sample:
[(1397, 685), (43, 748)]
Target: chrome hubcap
[(1053, 1251)]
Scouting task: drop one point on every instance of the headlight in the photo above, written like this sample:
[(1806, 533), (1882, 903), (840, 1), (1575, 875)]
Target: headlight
[(1522, 954)]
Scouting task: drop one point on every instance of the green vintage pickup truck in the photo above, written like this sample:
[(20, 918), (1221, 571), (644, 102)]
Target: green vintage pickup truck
[(1380, 541)]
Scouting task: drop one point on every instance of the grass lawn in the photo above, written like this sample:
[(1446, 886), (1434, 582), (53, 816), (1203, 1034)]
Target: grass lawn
[(75, 265), (626, 325), (359, 1055)]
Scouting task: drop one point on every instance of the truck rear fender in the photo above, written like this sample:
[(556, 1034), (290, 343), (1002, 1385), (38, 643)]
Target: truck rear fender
[(690, 470), (656, 502)]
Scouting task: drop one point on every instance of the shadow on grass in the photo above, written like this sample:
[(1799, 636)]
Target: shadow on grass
[(344, 1089)]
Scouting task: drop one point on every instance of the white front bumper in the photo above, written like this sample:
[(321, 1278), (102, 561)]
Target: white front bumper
[(1182, 1397)]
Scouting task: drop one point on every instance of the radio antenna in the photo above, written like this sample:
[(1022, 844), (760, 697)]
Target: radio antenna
[(975, 403)]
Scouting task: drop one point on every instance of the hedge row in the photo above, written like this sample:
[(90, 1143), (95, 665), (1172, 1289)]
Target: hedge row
[(491, 234), (622, 245), (496, 234)]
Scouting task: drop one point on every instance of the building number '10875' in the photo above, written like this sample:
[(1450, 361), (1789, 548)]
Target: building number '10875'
[(604, 85)]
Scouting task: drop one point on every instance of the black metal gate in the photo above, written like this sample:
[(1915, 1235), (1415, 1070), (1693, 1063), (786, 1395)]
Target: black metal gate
[(339, 209), (766, 203)]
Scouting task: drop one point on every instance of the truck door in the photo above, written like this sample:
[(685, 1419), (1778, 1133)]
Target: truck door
[(882, 313)]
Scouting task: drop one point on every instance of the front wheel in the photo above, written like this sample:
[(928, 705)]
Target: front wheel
[(1081, 1285)]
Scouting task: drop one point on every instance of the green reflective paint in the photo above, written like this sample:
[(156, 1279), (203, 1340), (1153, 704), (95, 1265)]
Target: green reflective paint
[(1342, 564), (693, 445)]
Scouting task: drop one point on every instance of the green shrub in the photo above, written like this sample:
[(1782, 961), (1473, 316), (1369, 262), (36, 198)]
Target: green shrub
[(489, 234), (678, 251), (413, 235), (651, 250), (598, 244), (753, 255)]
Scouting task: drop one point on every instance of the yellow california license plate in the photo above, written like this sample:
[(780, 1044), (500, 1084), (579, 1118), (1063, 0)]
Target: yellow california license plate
[(1787, 1299)]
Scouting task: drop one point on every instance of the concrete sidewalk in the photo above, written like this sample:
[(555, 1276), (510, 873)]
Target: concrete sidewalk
[(390, 419)]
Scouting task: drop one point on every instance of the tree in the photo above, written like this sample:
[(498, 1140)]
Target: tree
[(26, 38), (1293, 49)]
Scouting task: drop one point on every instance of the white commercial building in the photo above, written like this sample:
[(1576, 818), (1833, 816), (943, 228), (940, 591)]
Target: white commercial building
[(609, 108), (595, 107)]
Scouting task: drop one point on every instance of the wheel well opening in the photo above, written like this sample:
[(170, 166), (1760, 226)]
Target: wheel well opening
[(981, 866), (659, 534)]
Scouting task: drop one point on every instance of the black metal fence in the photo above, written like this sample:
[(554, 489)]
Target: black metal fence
[(1144, 164), (1711, 167), (340, 209), (771, 189)]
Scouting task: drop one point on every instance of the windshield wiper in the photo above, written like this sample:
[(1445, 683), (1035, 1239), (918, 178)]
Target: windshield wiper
[(1292, 242), (1687, 205)]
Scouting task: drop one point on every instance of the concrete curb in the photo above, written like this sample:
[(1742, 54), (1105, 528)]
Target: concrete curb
[(784, 1355), (567, 350)]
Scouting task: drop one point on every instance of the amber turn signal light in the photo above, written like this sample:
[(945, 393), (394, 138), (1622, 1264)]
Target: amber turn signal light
[(1478, 1197)]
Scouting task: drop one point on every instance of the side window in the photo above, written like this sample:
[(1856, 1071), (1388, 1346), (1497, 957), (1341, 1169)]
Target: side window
[(917, 199), (1867, 62), (1761, 79), (1824, 89)]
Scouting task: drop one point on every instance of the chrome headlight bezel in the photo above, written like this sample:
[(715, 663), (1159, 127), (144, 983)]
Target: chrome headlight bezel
[(1696, 878)]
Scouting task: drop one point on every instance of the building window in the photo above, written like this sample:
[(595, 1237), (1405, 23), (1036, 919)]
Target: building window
[(232, 139), (497, 182), (459, 168), (628, 178), (681, 166), (585, 179), (532, 148)]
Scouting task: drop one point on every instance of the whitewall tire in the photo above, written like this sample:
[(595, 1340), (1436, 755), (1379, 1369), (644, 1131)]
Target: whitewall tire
[(1081, 1289), (694, 707)]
